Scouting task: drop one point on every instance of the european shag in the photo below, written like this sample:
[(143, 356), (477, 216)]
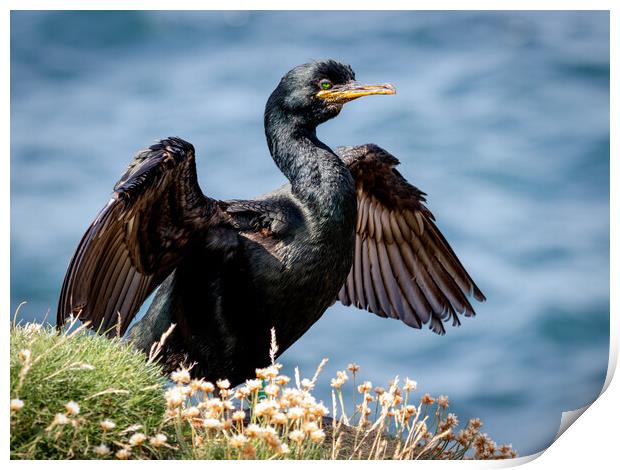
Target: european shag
[(348, 227)]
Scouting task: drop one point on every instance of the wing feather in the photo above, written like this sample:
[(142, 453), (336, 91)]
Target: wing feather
[(403, 267), (137, 239)]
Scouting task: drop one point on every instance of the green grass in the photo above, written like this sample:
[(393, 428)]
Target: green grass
[(108, 379)]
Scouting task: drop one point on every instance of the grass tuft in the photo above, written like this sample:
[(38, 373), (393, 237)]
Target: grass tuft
[(69, 383)]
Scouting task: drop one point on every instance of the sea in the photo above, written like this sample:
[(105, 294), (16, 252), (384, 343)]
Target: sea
[(502, 118)]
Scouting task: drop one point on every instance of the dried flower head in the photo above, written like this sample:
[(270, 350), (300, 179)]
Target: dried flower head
[(101, 450), (212, 423), (282, 379), (364, 387), (475, 424), (180, 376), (296, 436), (270, 372), (279, 419), (206, 387), (24, 356), (318, 410), (60, 419), (266, 408), (451, 420), (238, 415), (242, 392), (137, 439), (107, 425), (442, 401), (353, 368), (238, 440), (223, 384), (317, 436), (254, 384), (410, 385), (336, 383), (215, 405), (174, 397), (191, 412), (16, 405), (464, 437), (295, 413), (123, 454), (427, 399), (72, 408), (253, 430), (158, 440), (272, 390)]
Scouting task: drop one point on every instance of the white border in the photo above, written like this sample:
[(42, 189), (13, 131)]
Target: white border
[(591, 442)]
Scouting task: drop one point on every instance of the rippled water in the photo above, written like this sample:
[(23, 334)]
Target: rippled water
[(502, 118)]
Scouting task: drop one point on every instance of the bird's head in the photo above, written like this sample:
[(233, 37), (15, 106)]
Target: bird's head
[(315, 92)]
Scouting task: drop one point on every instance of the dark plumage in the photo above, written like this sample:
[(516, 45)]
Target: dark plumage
[(347, 227)]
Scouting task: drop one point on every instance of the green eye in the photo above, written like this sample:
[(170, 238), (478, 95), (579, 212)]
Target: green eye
[(325, 84)]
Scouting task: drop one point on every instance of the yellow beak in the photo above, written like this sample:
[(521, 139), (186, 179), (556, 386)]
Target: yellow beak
[(341, 94)]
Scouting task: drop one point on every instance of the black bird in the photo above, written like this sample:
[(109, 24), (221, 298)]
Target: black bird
[(348, 227)]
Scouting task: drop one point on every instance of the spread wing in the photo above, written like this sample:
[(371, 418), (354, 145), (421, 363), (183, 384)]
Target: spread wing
[(137, 238), (403, 266)]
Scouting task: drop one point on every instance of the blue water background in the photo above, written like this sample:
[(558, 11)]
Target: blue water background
[(502, 118)]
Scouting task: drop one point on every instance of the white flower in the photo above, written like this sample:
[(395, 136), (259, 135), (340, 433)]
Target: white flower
[(180, 376), (254, 384), (206, 387), (16, 404), (296, 436), (212, 423), (279, 418), (410, 385), (158, 440), (238, 440), (310, 427), (295, 413), (266, 407), (307, 384), (238, 415), (317, 436), (72, 408), (137, 439), (192, 412), (101, 450), (24, 355), (60, 419), (253, 430), (123, 454), (107, 425), (223, 383), (174, 397)]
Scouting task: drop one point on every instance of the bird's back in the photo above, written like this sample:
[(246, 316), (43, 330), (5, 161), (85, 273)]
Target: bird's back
[(269, 265)]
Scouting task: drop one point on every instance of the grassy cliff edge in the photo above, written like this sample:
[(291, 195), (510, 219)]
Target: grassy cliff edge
[(79, 395)]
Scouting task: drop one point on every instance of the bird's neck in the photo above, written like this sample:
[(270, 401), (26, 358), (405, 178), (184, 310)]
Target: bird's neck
[(319, 178)]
